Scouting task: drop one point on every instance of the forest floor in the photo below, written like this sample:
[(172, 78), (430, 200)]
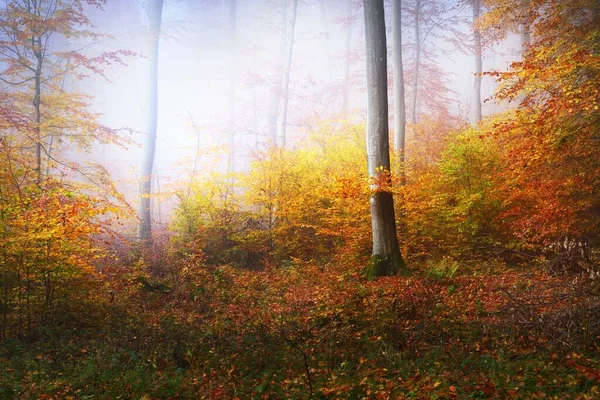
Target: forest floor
[(316, 332)]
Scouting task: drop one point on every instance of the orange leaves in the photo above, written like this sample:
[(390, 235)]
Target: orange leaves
[(347, 188), (47, 241), (48, 216), (381, 182), (549, 142)]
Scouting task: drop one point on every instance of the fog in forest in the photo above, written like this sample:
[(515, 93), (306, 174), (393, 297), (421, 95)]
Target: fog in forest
[(299, 199), (206, 54)]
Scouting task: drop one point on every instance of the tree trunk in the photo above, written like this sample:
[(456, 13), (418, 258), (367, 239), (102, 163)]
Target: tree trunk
[(525, 30), (154, 18), (37, 102), (478, 60), (417, 60), (326, 41), (231, 95), (346, 93), (399, 101), (276, 94), (286, 81), (272, 119), (386, 257)]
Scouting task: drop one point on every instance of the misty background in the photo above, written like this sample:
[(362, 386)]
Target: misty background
[(203, 57)]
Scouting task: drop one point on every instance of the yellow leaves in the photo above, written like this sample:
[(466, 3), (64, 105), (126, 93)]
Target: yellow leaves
[(298, 202)]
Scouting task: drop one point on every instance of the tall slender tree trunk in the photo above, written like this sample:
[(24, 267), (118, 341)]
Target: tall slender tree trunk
[(156, 189), (525, 33), (478, 60), (386, 257), (231, 91), (326, 41), (346, 90), (154, 19), (525, 29), (417, 60), (276, 93), (273, 116), (398, 68), (37, 102), (288, 70)]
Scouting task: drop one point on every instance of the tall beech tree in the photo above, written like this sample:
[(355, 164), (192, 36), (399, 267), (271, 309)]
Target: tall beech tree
[(154, 20), (290, 32), (278, 78), (280, 90), (474, 44), (417, 60), (232, 80), (478, 53), (399, 100), (386, 258)]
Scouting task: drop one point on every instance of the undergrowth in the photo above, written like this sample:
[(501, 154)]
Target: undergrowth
[(315, 332)]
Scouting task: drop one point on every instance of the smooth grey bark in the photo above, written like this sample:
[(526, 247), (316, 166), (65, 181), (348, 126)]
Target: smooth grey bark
[(386, 259), (346, 91), (286, 80), (478, 60), (154, 18), (231, 91), (398, 68), (417, 60)]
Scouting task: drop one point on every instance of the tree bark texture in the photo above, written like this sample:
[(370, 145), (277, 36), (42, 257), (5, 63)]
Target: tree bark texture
[(386, 257), (398, 68)]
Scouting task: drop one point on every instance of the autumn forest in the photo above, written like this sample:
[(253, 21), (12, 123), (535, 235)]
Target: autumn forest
[(303, 199)]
